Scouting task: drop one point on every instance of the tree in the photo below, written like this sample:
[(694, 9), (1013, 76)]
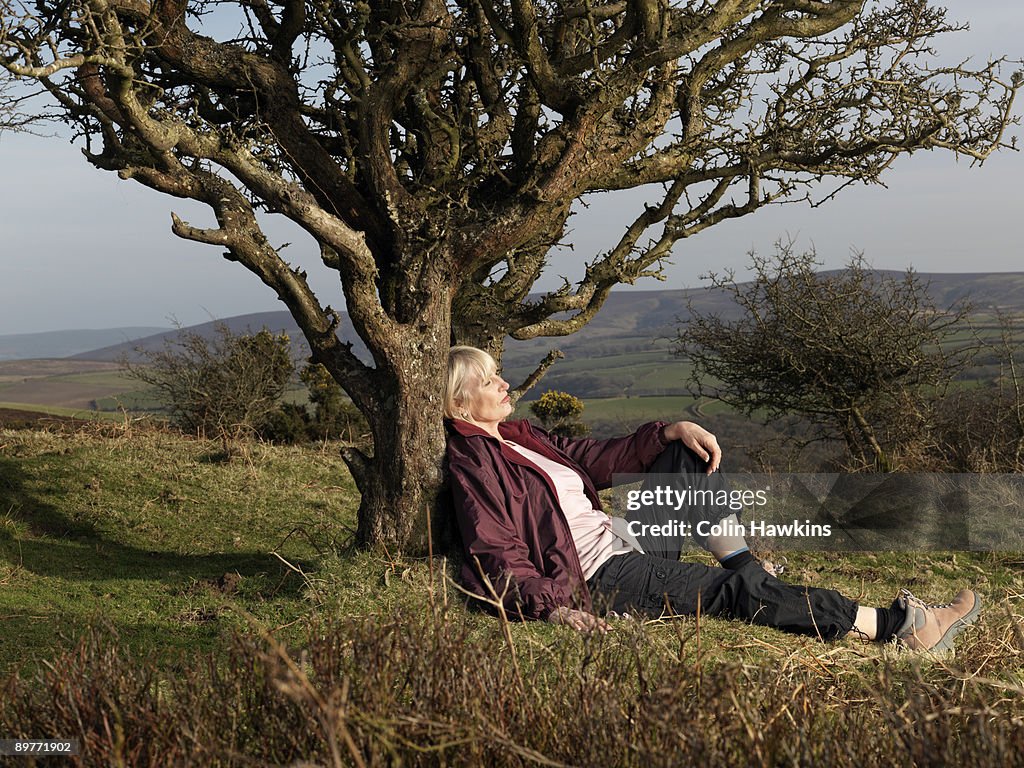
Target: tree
[(862, 355), (559, 412), (220, 386), (433, 150)]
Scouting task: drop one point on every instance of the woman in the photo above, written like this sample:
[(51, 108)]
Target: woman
[(534, 535)]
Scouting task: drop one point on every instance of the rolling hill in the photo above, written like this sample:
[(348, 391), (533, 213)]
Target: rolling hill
[(22, 346), (625, 351)]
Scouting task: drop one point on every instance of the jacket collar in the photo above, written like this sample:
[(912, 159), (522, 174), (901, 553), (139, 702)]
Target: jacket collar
[(518, 431), (508, 429)]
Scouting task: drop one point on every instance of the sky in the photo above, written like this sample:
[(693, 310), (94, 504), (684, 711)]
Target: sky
[(80, 248)]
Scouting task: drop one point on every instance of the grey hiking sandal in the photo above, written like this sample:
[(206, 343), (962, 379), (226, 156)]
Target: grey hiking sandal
[(931, 627)]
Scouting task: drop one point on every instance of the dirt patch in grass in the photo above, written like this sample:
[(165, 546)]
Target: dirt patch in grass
[(11, 418)]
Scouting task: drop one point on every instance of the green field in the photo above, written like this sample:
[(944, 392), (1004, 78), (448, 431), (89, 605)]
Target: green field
[(67, 388), (141, 536), (74, 388)]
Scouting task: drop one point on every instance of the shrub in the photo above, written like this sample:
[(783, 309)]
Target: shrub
[(334, 415), (559, 412), (861, 355), (289, 424), (221, 385)]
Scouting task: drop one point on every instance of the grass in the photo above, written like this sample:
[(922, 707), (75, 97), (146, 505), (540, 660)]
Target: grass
[(57, 386), (156, 534), (176, 548), (100, 379), (129, 555)]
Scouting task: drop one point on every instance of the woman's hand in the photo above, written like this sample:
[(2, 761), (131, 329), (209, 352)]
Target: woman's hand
[(578, 620), (698, 440)]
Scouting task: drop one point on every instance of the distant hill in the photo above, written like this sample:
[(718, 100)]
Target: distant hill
[(273, 321), (24, 346), (629, 321), (625, 350)]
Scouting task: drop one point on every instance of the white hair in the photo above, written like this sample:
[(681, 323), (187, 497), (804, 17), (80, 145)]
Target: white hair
[(461, 360)]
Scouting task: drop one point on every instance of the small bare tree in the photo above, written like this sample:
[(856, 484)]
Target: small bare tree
[(862, 355), (218, 386)]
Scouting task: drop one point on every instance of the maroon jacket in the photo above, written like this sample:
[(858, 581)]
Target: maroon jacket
[(508, 514)]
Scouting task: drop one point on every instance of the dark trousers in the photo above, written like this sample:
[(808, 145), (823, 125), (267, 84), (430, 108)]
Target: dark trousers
[(651, 585), (679, 469)]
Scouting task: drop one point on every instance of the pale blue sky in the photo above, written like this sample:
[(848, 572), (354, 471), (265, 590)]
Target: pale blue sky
[(81, 249)]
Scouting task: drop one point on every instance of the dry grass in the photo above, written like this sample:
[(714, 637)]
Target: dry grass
[(428, 689)]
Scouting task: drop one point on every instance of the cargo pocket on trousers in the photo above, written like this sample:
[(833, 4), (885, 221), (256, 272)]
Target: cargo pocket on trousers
[(654, 590)]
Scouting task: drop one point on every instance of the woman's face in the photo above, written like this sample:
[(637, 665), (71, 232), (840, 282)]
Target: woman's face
[(486, 400)]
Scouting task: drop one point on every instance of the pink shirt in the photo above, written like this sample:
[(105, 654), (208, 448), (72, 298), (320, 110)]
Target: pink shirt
[(591, 528)]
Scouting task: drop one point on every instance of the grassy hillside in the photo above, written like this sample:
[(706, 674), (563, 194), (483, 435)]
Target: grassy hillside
[(153, 556), (145, 528), (158, 535), (153, 534), (64, 386)]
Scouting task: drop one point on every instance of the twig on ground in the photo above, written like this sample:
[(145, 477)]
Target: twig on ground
[(308, 582)]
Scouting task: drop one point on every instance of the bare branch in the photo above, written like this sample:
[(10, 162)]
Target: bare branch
[(538, 373)]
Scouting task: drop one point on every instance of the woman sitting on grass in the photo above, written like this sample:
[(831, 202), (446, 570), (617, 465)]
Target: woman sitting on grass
[(534, 535)]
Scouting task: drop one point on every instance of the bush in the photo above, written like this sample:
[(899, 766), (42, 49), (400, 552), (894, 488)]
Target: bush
[(221, 386), (289, 424), (861, 355), (559, 412), (334, 415)]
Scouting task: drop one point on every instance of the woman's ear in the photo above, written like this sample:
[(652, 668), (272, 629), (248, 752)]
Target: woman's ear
[(458, 409)]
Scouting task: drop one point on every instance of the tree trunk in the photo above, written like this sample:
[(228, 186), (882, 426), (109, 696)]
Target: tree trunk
[(400, 492), (478, 330), (401, 485), (853, 445)]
